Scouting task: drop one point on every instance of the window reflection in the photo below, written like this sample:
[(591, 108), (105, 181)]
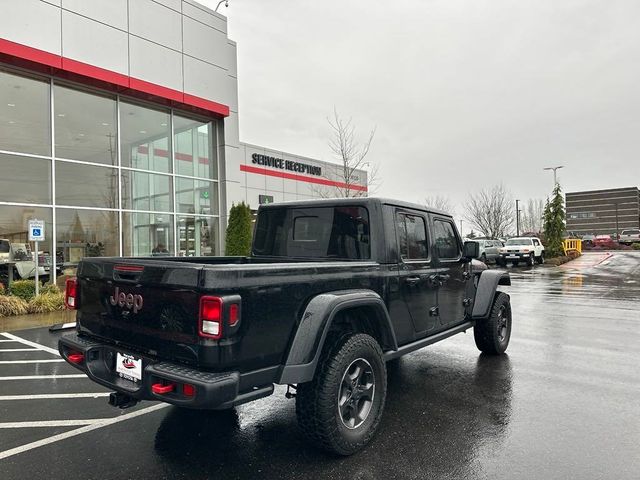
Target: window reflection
[(193, 145), (147, 234), (197, 236), (145, 137), (146, 191), (86, 233), (25, 179), (85, 126), (85, 185), (196, 196), (24, 115)]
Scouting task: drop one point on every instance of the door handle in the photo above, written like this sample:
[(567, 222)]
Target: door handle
[(412, 280)]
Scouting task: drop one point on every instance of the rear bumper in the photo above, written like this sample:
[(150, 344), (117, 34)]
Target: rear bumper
[(211, 390)]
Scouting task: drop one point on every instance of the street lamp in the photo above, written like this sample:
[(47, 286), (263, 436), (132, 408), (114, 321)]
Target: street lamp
[(226, 4), (555, 169), (517, 218)]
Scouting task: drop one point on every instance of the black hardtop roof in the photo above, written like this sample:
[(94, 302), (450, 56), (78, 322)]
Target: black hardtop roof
[(330, 202)]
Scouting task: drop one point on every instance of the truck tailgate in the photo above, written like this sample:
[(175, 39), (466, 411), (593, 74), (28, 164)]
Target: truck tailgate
[(147, 305)]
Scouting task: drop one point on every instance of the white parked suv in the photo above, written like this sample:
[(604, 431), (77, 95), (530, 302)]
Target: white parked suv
[(521, 249), (628, 237)]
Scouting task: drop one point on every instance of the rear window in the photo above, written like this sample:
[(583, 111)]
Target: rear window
[(4, 246), (630, 232), (320, 232), (519, 241)]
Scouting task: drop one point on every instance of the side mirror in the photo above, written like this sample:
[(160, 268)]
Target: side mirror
[(471, 250)]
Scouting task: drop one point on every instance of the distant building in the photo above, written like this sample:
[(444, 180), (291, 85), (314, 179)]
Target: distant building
[(603, 212)]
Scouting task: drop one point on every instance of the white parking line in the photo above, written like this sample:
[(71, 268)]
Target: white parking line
[(4, 340), (51, 423), (80, 431), (11, 362), (30, 343), (46, 396), (19, 350), (42, 377)]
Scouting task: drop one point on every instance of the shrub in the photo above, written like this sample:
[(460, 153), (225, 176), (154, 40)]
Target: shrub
[(47, 302), (24, 289), (49, 288), (2, 291), (635, 246), (12, 306), (238, 241)]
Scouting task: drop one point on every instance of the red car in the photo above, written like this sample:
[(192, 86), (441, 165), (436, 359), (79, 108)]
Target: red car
[(603, 241)]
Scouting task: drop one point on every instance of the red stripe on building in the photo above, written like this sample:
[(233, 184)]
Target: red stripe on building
[(300, 178), (56, 65)]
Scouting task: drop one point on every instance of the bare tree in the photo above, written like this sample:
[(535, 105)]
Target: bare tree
[(531, 217), (490, 211), (352, 157), (439, 202)]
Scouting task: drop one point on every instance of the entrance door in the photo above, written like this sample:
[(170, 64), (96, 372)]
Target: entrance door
[(452, 273), (416, 272)]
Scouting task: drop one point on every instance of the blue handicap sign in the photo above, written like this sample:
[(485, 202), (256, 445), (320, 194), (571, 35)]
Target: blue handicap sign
[(36, 232)]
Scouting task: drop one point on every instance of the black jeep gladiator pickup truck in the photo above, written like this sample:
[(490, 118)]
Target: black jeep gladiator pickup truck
[(332, 290)]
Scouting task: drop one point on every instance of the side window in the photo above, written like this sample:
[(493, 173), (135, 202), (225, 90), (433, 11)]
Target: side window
[(445, 240), (412, 236), (536, 242)]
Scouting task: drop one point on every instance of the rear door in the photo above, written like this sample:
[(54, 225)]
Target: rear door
[(416, 273), (451, 270)]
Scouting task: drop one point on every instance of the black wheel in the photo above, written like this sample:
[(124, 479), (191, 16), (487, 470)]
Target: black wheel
[(531, 259), (492, 334), (483, 258), (341, 408), (540, 259)]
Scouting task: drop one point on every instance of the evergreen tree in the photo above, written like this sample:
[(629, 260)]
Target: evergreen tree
[(238, 241), (554, 216)]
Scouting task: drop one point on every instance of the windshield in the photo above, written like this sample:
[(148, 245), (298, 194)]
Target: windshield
[(319, 232), (519, 241), (4, 246), (630, 232)]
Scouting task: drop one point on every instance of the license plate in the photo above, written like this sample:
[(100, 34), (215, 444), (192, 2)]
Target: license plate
[(129, 367)]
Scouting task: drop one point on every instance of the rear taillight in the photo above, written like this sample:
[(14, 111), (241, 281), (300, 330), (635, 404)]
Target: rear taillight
[(210, 317), (71, 294)]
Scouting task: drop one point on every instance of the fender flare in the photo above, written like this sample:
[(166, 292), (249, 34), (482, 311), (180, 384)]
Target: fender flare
[(315, 324), (486, 288)]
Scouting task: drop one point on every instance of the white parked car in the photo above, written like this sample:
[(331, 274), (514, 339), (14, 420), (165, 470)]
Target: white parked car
[(627, 237), (522, 249), (20, 259)]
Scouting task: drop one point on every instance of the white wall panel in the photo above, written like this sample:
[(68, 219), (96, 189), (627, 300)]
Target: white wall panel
[(94, 43), (156, 23), (154, 63), (32, 23), (53, 2), (231, 130), (207, 81), (236, 193), (232, 59), (253, 198), (174, 4), (198, 12), (111, 12), (205, 43), (234, 158)]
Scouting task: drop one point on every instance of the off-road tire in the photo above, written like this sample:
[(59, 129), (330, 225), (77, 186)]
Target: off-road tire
[(492, 334), (483, 258), (317, 406), (540, 259)]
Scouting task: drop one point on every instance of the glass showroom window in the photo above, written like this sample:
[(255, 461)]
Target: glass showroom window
[(85, 126), (144, 137), (24, 179), (146, 191), (24, 115), (194, 148), (86, 233), (197, 236), (196, 196), (147, 234), (86, 185)]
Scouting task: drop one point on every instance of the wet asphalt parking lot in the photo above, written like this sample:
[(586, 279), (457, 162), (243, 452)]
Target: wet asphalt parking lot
[(564, 403)]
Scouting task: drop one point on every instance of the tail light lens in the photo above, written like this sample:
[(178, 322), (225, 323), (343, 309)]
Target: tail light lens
[(210, 317), (71, 294)]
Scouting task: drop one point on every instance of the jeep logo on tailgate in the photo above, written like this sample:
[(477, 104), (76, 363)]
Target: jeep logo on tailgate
[(126, 300)]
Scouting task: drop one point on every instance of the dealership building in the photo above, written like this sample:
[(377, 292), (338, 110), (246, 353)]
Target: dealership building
[(119, 129), (603, 212)]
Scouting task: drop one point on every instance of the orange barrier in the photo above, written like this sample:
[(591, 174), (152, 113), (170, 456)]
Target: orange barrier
[(572, 244)]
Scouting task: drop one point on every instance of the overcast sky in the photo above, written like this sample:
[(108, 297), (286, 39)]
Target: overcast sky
[(463, 94)]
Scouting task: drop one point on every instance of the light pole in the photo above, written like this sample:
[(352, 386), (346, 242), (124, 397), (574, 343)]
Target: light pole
[(555, 169), (517, 218), (226, 4)]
